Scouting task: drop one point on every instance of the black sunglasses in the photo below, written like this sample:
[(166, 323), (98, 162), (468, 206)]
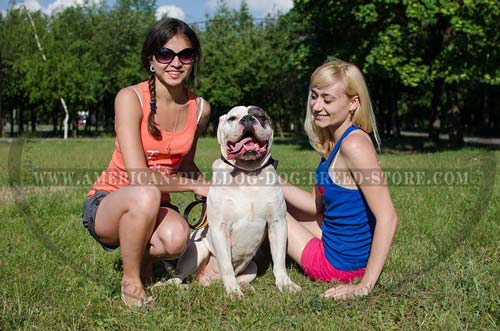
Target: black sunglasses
[(166, 55)]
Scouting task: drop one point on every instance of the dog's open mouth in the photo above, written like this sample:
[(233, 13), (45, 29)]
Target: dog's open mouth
[(248, 148)]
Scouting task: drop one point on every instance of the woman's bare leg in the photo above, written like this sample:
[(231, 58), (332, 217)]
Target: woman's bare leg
[(129, 217), (301, 229)]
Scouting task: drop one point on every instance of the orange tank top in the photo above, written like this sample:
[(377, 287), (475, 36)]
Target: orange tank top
[(163, 155)]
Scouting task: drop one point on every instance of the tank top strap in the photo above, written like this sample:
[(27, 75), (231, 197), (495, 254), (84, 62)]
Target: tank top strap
[(138, 95), (145, 99), (199, 110), (339, 142)]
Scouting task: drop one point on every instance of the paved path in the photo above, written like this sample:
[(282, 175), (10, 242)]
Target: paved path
[(467, 139), (442, 136)]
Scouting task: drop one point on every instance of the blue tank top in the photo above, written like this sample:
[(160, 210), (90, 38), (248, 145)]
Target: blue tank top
[(348, 223)]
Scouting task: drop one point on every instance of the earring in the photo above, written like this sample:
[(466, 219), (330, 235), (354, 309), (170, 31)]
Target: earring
[(151, 68)]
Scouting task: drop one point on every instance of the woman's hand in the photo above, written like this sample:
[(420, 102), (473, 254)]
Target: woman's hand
[(201, 188), (347, 290)]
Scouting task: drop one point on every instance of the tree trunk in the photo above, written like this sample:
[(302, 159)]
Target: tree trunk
[(394, 113), (12, 122), (433, 127), (455, 127), (20, 120), (494, 107), (75, 128), (96, 118), (33, 119), (491, 108), (485, 106), (66, 118), (380, 110), (280, 129), (54, 120), (88, 123), (110, 122), (387, 110)]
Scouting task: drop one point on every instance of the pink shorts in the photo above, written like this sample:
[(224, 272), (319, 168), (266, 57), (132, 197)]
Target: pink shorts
[(317, 267)]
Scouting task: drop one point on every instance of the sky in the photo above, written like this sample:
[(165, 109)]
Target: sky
[(189, 11)]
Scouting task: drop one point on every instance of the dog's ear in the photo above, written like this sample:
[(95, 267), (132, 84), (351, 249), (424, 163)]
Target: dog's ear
[(222, 120)]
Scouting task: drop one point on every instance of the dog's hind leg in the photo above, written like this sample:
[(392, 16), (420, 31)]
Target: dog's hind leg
[(247, 276), (196, 252)]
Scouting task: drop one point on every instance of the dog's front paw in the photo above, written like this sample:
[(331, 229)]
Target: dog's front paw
[(234, 292), (286, 284), (174, 282), (247, 287)]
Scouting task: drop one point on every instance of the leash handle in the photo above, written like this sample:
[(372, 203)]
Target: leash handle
[(198, 197), (202, 221)]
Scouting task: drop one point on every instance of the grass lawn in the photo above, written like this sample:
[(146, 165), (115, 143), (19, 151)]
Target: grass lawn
[(442, 273)]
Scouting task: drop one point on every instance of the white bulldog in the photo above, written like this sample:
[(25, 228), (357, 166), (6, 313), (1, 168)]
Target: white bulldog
[(245, 199)]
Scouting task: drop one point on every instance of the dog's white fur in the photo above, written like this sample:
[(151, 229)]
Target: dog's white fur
[(242, 203)]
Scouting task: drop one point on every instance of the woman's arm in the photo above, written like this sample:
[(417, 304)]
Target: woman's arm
[(309, 203), (359, 154), (128, 115)]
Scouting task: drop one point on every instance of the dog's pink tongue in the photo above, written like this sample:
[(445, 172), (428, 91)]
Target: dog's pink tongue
[(239, 145), (246, 144)]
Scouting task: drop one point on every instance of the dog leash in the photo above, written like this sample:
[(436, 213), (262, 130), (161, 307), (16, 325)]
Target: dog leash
[(202, 220)]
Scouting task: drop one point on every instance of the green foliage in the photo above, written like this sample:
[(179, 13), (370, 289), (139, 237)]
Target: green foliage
[(18, 53), (248, 62), (91, 52), (71, 70), (421, 58), (410, 47)]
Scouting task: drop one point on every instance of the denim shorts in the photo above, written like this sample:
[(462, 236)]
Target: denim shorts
[(88, 217), (90, 211)]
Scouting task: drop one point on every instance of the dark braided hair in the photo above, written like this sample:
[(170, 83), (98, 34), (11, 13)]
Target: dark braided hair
[(160, 33), (153, 130)]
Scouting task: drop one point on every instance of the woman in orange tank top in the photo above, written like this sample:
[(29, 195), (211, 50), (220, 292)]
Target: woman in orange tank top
[(157, 125)]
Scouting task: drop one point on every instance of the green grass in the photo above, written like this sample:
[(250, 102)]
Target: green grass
[(442, 273)]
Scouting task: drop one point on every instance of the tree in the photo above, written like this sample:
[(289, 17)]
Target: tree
[(245, 62), (17, 57), (408, 48), (117, 40)]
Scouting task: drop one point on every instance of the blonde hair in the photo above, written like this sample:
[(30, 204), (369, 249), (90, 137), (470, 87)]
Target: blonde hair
[(355, 85)]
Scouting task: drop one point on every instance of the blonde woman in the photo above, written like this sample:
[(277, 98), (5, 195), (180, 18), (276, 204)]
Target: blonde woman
[(343, 229)]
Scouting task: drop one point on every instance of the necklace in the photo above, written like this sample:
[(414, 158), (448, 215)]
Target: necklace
[(169, 149)]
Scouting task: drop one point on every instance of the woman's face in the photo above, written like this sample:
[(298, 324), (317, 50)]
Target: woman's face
[(330, 106), (175, 72)]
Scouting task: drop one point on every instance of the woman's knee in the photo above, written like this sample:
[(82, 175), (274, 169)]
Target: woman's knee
[(173, 238), (146, 201)]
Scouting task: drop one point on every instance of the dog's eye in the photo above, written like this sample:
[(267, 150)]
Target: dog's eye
[(232, 118)]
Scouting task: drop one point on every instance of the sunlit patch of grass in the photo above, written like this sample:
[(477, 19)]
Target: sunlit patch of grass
[(442, 272)]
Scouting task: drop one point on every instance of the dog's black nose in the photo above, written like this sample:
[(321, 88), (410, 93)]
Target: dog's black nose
[(247, 120)]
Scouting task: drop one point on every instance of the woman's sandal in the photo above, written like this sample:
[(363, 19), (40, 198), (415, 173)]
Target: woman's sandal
[(145, 302)]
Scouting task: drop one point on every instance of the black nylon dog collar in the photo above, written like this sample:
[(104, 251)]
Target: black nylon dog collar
[(271, 161)]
